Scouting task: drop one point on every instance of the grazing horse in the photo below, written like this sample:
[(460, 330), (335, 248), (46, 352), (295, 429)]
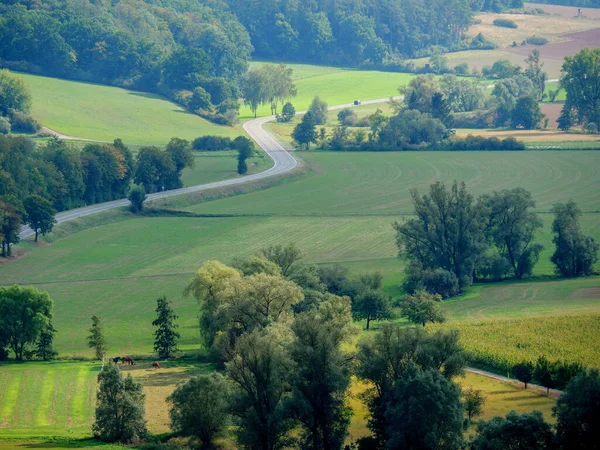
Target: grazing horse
[(156, 365), (116, 359), (128, 360)]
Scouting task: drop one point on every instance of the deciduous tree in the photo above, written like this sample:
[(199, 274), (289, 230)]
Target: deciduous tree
[(44, 346), (318, 109), (526, 431), (512, 227), (423, 307), (523, 372), (575, 253), (371, 304), (25, 313), (40, 214), (120, 412), (473, 401), (576, 412), (305, 132), (200, 407), (580, 78)]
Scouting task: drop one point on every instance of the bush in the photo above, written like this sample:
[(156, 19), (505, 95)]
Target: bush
[(493, 267), (461, 69), (442, 282), (535, 40), (212, 143), (506, 23), (137, 197), (23, 123), (4, 125), (347, 117), (471, 143)]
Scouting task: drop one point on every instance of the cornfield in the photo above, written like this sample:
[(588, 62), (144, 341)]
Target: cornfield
[(500, 344)]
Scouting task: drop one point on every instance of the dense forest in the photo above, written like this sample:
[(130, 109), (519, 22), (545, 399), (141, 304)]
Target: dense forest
[(170, 45), (577, 3)]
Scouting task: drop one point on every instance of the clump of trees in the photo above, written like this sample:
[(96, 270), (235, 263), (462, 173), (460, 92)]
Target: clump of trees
[(268, 85), (26, 323), (15, 105), (583, 99)]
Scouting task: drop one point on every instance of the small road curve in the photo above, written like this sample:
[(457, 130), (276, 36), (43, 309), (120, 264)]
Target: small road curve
[(283, 162)]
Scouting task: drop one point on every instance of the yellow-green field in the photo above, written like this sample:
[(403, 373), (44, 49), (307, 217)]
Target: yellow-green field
[(94, 111), (502, 343)]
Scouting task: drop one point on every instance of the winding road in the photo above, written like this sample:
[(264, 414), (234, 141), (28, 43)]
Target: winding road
[(283, 161)]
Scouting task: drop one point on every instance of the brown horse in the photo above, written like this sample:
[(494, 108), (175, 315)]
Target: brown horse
[(156, 365), (127, 360)]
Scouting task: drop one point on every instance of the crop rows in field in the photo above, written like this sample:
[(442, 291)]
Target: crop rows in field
[(500, 344), (52, 399)]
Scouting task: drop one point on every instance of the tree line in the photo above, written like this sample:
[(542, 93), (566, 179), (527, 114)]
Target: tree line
[(454, 239), (15, 105), (35, 182)]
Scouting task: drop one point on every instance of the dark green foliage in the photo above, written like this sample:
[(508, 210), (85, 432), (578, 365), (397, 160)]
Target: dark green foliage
[(321, 374), (502, 68), (577, 413), (43, 347), (245, 148), (200, 407), (534, 40), (564, 372), (526, 431), (159, 170), (212, 143), (536, 73), (260, 369), (25, 313), (543, 373), (96, 339), (11, 217), (447, 233), (165, 335), (512, 227), (384, 358), (14, 94), (287, 113), (565, 119), (318, 109), (120, 415), (347, 117), (523, 372), (305, 132), (40, 214), (371, 304), (482, 143), (473, 401), (411, 129), (575, 253), (526, 113), (4, 125), (137, 196), (440, 109), (506, 23), (423, 307), (584, 98), (424, 411)]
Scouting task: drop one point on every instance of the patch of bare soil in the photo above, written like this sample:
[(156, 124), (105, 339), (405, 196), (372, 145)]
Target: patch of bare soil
[(566, 11), (574, 43), (552, 111)]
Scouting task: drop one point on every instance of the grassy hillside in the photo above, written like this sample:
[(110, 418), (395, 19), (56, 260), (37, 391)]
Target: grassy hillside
[(103, 113), (338, 86), (342, 213)]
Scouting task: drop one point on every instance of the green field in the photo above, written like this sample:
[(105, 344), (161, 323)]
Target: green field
[(340, 213), (217, 166), (104, 113), (338, 86)]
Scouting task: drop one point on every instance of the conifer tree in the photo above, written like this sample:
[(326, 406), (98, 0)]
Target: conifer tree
[(165, 336)]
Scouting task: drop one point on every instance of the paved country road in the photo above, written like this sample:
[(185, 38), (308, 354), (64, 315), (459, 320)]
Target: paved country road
[(283, 161)]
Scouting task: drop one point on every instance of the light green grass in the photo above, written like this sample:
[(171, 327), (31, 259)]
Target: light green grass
[(217, 166), (52, 399), (104, 113), (342, 214), (301, 71), (341, 87), (379, 183)]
